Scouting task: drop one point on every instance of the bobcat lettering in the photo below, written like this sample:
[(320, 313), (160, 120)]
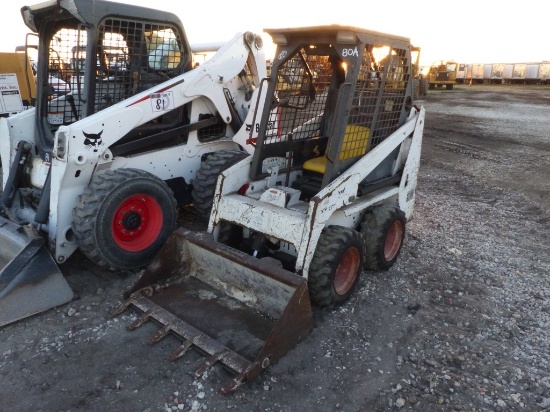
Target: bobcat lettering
[(93, 140)]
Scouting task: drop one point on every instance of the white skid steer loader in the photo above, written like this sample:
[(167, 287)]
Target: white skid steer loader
[(327, 192), (103, 167)]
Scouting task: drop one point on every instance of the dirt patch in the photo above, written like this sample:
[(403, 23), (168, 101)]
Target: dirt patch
[(461, 322)]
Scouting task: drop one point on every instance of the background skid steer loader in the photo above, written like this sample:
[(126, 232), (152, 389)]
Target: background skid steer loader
[(328, 190), (103, 167)]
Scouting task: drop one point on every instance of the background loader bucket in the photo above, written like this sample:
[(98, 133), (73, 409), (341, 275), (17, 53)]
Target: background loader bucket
[(30, 281), (242, 312)]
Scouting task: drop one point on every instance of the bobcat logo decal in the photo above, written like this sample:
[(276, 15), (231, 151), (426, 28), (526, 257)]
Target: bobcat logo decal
[(93, 140)]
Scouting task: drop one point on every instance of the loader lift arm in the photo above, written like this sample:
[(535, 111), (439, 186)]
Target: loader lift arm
[(206, 81)]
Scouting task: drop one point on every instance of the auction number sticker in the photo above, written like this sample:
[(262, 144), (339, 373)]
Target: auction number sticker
[(10, 95), (162, 102)]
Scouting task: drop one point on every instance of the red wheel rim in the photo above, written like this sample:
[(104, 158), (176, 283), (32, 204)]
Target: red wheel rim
[(346, 272), (393, 240), (137, 223)]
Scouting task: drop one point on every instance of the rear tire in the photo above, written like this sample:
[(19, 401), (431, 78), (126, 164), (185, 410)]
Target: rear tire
[(123, 218), (416, 89), (336, 266), (204, 185), (383, 231), (423, 87)]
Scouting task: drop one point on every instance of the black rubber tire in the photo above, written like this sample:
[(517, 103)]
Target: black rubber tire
[(119, 192), (423, 87), (205, 181), (431, 86), (336, 266), (383, 231), (416, 88), (449, 86)]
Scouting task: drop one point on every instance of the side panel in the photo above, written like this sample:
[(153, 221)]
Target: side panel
[(477, 71), (487, 71), (498, 71), (469, 71), (519, 71), (461, 72), (544, 71), (508, 71), (532, 72)]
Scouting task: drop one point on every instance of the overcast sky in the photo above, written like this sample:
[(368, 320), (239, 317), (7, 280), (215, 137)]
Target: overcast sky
[(479, 31)]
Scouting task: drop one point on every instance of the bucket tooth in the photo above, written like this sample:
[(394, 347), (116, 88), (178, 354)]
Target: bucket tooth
[(237, 381), (181, 350), (232, 385), (161, 334), (145, 316), (208, 363), (123, 307)]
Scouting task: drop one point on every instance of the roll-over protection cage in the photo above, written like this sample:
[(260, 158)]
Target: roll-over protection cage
[(340, 91), (104, 52)]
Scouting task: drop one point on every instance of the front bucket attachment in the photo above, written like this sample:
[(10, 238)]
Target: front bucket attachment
[(242, 312), (30, 281)]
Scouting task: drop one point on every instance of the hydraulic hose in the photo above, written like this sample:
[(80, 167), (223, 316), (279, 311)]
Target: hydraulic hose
[(16, 173)]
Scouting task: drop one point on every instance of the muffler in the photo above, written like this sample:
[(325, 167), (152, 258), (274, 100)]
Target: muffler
[(243, 313), (30, 281)]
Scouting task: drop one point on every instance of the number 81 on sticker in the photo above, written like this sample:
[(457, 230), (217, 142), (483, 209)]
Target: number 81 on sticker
[(161, 102)]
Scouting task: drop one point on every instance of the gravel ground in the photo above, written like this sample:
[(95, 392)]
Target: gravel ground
[(460, 323)]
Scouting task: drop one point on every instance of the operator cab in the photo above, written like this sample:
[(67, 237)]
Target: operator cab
[(337, 92), (104, 52)]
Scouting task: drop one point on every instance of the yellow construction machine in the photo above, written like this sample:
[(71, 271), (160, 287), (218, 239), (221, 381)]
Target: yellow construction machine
[(442, 73), (16, 70)]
